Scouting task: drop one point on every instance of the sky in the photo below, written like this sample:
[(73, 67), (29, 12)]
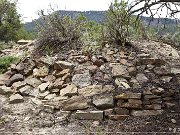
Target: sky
[(29, 8)]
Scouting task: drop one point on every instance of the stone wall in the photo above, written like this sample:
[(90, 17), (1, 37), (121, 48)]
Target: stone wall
[(113, 85)]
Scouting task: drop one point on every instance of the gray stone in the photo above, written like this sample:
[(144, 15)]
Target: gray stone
[(146, 112), (118, 70), (42, 95), (34, 82), (69, 90), (26, 90), (50, 96), (76, 103), (141, 78), (163, 70), (118, 117), (41, 72), (14, 78), (94, 90), (175, 71), (82, 80), (151, 97), (60, 65), (16, 99), (17, 85), (131, 105), (129, 95), (43, 87), (5, 90), (166, 78), (91, 115), (108, 112), (104, 103), (121, 111), (122, 83)]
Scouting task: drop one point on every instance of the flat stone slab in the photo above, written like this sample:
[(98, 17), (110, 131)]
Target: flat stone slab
[(14, 99), (129, 95), (104, 103), (92, 115), (146, 112)]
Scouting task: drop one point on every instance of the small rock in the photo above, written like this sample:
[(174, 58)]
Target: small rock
[(118, 117), (14, 78), (26, 90), (118, 70), (34, 82), (141, 78), (50, 96), (104, 103), (60, 65), (91, 115), (129, 95), (43, 86), (173, 121), (82, 80), (146, 112), (122, 83), (61, 73), (14, 99), (5, 90), (41, 72), (42, 95), (76, 103), (121, 111), (69, 90)]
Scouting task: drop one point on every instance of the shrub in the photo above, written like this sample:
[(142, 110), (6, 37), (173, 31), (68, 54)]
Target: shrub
[(59, 33), (117, 23), (6, 61)]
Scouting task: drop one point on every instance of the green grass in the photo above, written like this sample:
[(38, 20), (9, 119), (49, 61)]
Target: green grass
[(6, 61)]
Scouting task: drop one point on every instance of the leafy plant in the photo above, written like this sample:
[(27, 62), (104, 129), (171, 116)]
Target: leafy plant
[(6, 61), (117, 23)]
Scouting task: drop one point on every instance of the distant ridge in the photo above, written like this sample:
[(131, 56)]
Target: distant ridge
[(98, 16)]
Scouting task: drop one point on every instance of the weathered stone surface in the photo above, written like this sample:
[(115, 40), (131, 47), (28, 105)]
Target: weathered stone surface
[(175, 71), (49, 61), (43, 87), (5, 90), (104, 103), (58, 84), (16, 99), (26, 90), (118, 70), (122, 83), (41, 72), (91, 115), (135, 101), (34, 82), (129, 95), (141, 78), (108, 112), (166, 78), (146, 112), (76, 103), (60, 65), (17, 85), (4, 77), (131, 105), (69, 90), (118, 117), (62, 73), (158, 91), (151, 97), (121, 111), (94, 90), (14, 78), (82, 80), (42, 95), (50, 96), (54, 90), (49, 78), (163, 70)]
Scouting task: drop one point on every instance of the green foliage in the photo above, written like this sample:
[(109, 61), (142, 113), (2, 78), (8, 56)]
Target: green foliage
[(9, 21), (23, 34), (59, 32), (6, 61), (92, 37), (117, 22), (4, 45)]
